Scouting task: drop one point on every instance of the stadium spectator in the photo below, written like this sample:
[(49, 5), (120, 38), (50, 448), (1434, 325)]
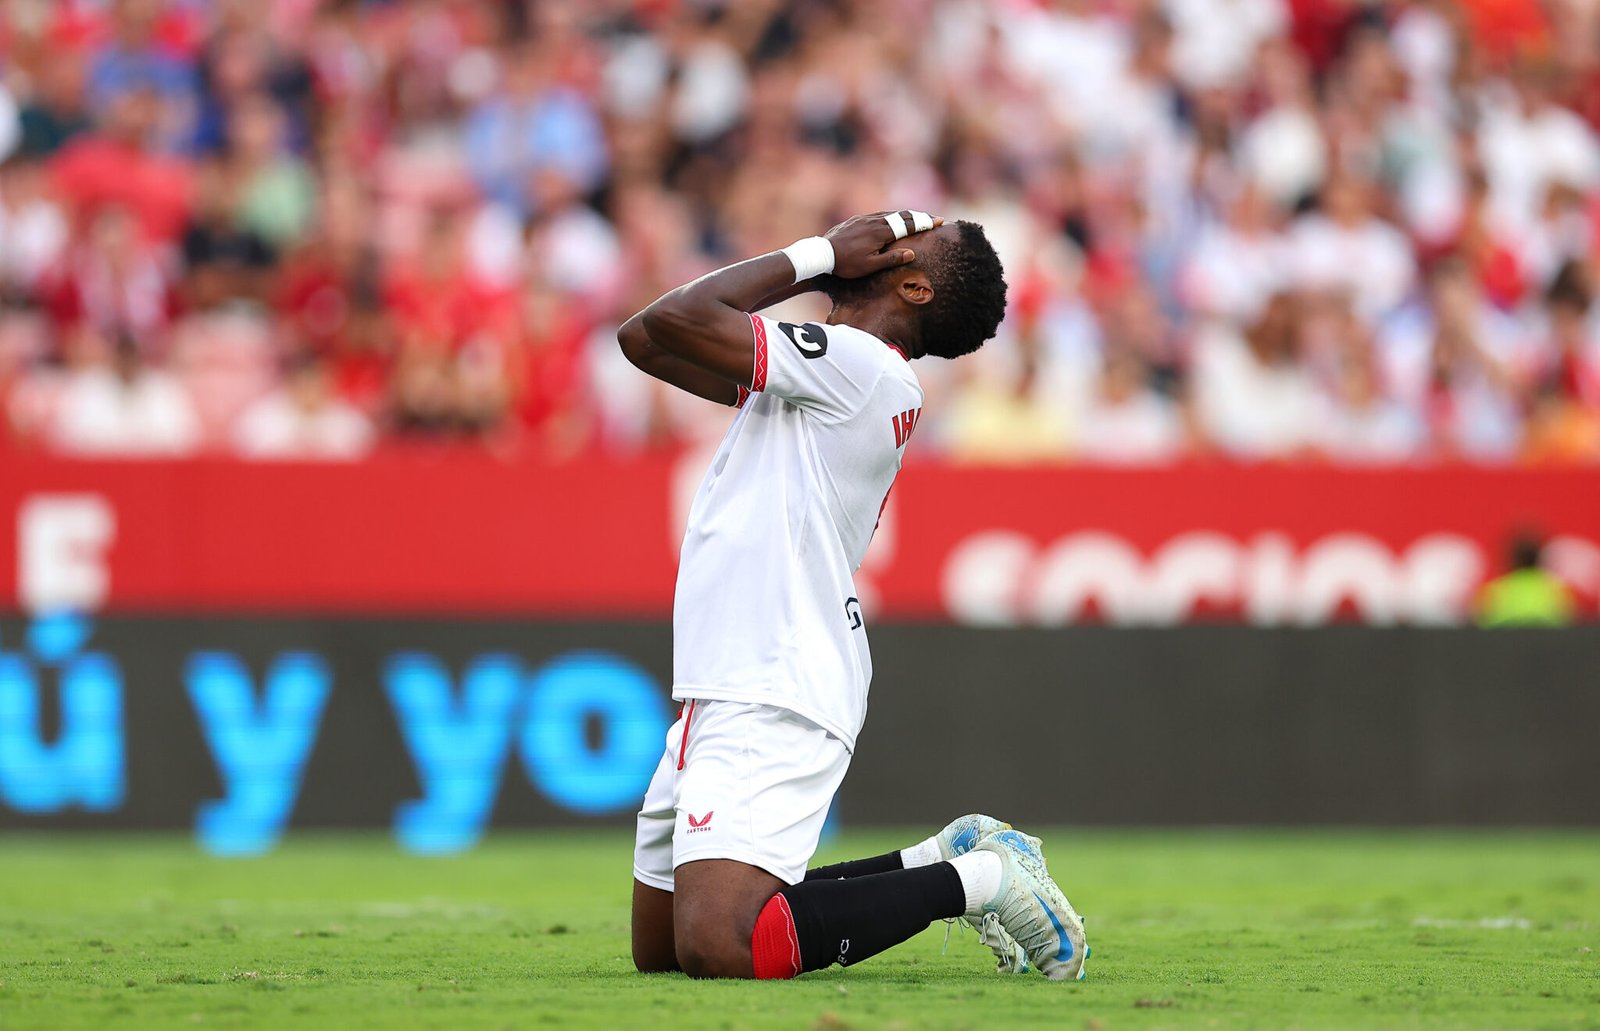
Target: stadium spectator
[(1363, 424), (1253, 397), (33, 229), (1238, 262), (58, 110), (120, 165), (303, 419), (1527, 594), (112, 404), (1345, 247), (1126, 420), (224, 260), (113, 281), (275, 188), (534, 123)]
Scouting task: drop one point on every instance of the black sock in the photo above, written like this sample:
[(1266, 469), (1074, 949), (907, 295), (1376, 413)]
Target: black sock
[(886, 863), (845, 921)]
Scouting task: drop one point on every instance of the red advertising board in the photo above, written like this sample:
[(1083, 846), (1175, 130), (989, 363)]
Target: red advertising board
[(463, 534)]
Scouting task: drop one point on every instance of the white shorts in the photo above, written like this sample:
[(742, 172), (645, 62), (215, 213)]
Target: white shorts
[(738, 781)]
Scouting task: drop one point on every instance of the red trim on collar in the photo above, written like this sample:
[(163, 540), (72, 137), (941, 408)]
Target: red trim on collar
[(897, 351)]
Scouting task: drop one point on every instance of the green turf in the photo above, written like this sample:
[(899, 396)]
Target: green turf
[(1189, 929)]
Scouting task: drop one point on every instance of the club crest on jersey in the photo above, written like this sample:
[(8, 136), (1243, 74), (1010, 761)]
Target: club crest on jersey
[(702, 824), (904, 423)]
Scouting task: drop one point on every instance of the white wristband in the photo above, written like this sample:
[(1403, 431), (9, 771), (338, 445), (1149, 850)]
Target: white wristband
[(811, 257)]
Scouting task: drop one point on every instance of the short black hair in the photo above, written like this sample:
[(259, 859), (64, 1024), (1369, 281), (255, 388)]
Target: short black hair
[(969, 292), (1527, 550)]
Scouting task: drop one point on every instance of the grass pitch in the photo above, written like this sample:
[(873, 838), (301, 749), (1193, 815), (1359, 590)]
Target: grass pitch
[(1190, 929)]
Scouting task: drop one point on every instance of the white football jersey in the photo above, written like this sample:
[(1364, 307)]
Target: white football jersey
[(766, 607)]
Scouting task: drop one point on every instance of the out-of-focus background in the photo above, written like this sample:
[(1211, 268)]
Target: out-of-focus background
[(1302, 230), (327, 499)]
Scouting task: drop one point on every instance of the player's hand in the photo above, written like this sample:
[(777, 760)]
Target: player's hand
[(866, 243)]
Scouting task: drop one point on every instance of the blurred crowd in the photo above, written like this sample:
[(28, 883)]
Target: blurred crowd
[(1324, 230)]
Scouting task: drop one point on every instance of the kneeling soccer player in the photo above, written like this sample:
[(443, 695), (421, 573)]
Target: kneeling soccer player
[(770, 654)]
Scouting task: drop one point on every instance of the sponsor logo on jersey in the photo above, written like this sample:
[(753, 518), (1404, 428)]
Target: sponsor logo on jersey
[(701, 824)]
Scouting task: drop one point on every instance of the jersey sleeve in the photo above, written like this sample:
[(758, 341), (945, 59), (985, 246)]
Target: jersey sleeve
[(831, 369)]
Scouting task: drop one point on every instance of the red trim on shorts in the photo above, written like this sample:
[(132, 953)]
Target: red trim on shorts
[(744, 395), (683, 739), (758, 375)]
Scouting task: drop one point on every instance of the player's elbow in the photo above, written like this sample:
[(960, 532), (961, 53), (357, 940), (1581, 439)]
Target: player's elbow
[(633, 340), (670, 322)]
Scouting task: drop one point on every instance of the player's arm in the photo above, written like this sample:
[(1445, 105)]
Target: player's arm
[(644, 353), (705, 322)]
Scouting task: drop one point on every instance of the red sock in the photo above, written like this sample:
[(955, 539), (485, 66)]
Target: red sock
[(775, 947)]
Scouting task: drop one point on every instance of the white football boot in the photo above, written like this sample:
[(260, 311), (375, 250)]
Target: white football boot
[(958, 838), (962, 834), (1031, 908)]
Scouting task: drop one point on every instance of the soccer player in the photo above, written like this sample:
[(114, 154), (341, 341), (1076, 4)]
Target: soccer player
[(770, 656)]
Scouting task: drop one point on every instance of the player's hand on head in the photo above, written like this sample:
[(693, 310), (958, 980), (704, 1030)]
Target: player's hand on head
[(869, 243)]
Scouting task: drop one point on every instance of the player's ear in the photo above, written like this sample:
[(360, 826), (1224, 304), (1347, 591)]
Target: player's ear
[(914, 287)]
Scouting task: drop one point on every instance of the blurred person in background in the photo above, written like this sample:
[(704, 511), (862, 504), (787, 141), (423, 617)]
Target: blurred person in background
[(422, 400), (303, 418), (575, 245), (275, 189), (1473, 358), (532, 123), (1362, 424), (1007, 417), (33, 229), (1283, 152), (452, 376), (121, 164), (112, 403), (115, 281), (331, 295), (1253, 399), (1527, 594), (149, 46), (1564, 420), (545, 364), (246, 57), (58, 109), (1345, 246), (1237, 263), (1530, 143), (1127, 421), (225, 261)]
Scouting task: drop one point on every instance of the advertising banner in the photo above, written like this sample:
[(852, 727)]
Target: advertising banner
[(241, 729), (417, 535)]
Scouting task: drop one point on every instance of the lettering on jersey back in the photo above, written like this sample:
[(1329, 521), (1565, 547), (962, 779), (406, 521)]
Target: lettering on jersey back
[(904, 423)]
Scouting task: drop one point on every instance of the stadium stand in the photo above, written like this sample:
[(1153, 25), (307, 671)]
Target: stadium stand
[(1299, 230)]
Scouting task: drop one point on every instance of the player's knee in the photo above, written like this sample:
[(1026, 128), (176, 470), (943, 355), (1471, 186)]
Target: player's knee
[(702, 960), (653, 964), (653, 959), (708, 948)]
